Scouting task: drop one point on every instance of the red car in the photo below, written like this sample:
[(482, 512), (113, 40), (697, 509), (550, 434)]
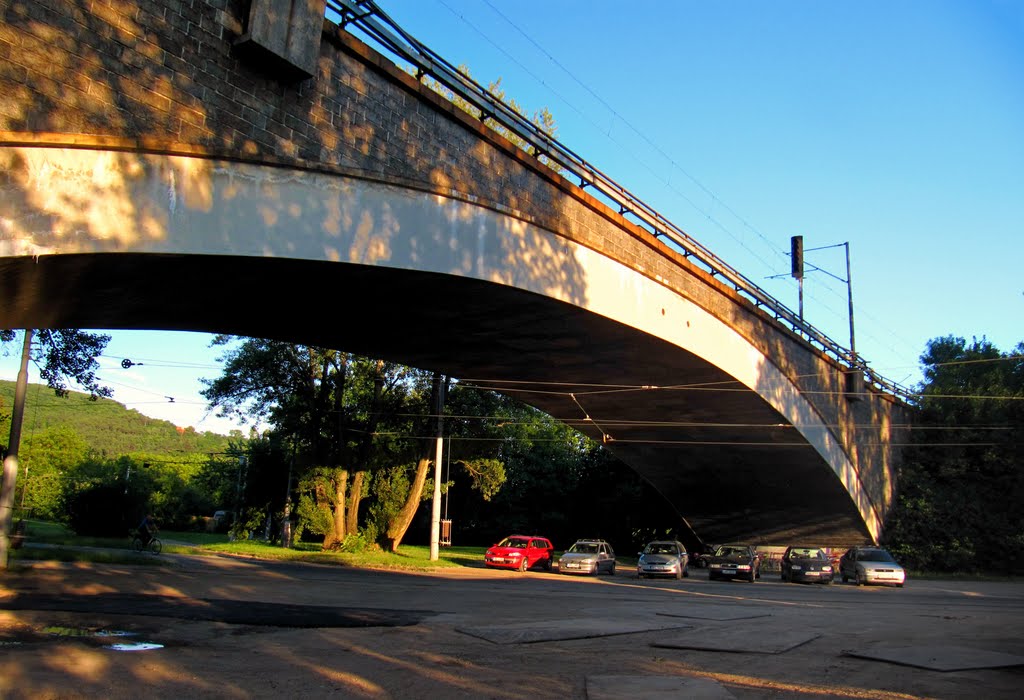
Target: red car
[(521, 552)]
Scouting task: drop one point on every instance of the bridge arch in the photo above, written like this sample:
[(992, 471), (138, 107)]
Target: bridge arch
[(497, 268)]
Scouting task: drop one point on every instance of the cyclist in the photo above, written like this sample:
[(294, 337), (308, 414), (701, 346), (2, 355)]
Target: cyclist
[(147, 529)]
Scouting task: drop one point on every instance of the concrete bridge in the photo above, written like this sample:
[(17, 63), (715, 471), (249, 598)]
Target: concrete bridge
[(213, 166)]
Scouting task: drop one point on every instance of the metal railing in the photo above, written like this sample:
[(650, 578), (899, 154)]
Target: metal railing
[(381, 30)]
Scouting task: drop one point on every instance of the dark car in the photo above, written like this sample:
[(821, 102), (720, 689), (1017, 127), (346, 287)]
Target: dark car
[(700, 557), (521, 552), (663, 558), (732, 561), (809, 564)]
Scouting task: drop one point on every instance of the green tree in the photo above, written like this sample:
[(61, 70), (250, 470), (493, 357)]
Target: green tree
[(48, 459), (961, 500), (338, 414), (62, 354)]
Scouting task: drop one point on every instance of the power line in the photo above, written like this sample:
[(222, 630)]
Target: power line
[(715, 199)]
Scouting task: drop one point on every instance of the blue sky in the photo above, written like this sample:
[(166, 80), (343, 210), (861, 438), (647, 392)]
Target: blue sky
[(895, 126)]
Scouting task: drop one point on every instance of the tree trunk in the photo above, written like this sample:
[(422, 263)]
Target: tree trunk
[(10, 468), (401, 522), (356, 495), (365, 448), (337, 534)]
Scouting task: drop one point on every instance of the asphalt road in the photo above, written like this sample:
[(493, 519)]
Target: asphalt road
[(242, 628)]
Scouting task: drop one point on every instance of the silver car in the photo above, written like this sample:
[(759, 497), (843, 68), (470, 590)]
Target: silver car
[(663, 558), (588, 557), (871, 565)]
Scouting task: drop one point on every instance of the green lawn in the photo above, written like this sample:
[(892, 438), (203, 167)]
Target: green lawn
[(64, 545)]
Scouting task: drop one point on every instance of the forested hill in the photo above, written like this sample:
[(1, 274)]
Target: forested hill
[(107, 426)]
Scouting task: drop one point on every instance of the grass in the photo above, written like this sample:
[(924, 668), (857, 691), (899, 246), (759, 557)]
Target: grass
[(65, 545), (408, 557)]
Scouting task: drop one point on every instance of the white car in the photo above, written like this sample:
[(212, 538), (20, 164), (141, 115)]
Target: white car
[(663, 558), (588, 557), (871, 565)]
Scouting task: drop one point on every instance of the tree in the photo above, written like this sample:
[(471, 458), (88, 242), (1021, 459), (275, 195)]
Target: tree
[(399, 522), (64, 354), (49, 458), (961, 499), (329, 407), (542, 119)]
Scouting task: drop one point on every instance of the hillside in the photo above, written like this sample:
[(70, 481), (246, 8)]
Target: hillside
[(108, 427)]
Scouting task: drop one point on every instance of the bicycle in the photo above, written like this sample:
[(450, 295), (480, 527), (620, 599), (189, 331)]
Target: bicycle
[(153, 546)]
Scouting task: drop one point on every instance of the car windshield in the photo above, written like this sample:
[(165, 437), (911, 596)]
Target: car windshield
[(726, 551), (875, 555), (584, 548), (515, 542), (658, 548), (807, 553)]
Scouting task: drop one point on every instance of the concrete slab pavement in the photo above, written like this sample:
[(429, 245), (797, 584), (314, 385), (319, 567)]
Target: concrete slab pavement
[(939, 658)]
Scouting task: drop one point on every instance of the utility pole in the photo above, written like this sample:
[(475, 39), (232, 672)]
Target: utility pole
[(10, 473), (435, 513), (849, 294), (855, 375), (796, 247)]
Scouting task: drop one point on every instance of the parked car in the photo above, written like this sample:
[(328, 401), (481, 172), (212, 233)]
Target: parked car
[(806, 564), (700, 557), (521, 552), (588, 557), (834, 556), (734, 561), (871, 565), (663, 558)]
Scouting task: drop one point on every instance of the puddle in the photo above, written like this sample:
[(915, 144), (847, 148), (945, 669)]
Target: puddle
[(136, 646), (104, 634)]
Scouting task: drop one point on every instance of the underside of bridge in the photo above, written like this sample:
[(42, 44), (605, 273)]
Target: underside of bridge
[(719, 453)]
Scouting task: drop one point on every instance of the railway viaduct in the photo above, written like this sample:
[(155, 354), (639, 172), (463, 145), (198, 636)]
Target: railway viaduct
[(251, 167)]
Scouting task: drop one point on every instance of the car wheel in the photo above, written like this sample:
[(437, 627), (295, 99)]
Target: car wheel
[(845, 579), (547, 565), (524, 564), (611, 571), (860, 580), (899, 585)]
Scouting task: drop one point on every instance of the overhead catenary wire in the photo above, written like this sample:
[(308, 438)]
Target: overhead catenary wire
[(699, 443), (366, 17), (715, 200)]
